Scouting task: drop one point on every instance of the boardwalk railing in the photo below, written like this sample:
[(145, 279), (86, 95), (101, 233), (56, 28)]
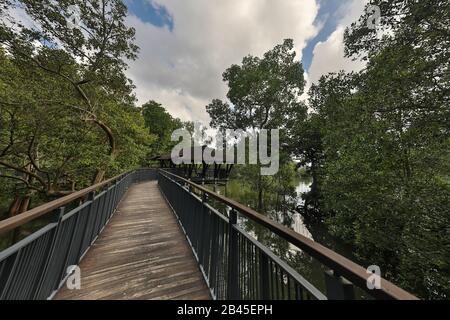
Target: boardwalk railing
[(36, 267), (237, 266)]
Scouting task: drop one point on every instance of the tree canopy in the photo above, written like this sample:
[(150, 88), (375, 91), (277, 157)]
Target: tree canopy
[(262, 92), (160, 124), (68, 116)]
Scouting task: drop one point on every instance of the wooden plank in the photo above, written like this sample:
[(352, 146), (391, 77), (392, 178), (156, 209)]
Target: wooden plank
[(141, 254)]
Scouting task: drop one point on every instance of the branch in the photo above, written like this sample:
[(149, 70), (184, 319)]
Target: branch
[(41, 181), (29, 186), (33, 162), (103, 126), (79, 83), (11, 135), (60, 170), (109, 133), (75, 84), (263, 124)]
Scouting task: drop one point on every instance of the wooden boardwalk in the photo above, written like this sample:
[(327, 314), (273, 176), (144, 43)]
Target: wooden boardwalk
[(141, 254)]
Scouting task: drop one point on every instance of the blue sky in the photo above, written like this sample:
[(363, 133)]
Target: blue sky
[(156, 15), (330, 12)]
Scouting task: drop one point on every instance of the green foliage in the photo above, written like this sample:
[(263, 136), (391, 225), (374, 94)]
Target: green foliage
[(279, 197), (161, 125), (102, 41), (67, 112), (263, 92), (40, 136), (384, 137)]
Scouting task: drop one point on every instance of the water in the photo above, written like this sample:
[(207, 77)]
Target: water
[(298, 223), (317, 231), (300, 227), (303, 187), (310, 268)]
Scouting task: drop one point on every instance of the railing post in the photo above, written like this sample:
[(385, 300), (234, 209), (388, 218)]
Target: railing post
[(233, 258), (264, 275), (69, 249), (204, 228), (338, 288), (89, 213), (214, 251), (116, 195)]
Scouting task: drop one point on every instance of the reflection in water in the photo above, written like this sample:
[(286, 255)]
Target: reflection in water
[(303, 187), (308, 267), (317, 231), (293, 219), (298, 222), (299, 226)]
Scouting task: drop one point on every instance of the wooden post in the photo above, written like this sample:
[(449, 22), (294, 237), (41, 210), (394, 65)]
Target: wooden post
[(338, 288)]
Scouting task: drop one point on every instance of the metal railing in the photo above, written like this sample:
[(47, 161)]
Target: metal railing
[(36, 267), (237, 266)]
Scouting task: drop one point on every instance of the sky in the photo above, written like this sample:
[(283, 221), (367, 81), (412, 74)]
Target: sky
[(186, 45)]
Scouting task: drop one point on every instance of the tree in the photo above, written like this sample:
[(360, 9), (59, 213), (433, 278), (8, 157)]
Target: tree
[(100, 46), (49, 151), (307, 146), (407, 87), (264, 93), (160, 124), (385, 136), (62, 91)]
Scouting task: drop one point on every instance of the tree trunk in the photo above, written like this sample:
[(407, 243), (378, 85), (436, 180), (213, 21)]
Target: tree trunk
[(18, 206), (99, 176), (24, 204), (260, 192), (14, 206), (312, 200)]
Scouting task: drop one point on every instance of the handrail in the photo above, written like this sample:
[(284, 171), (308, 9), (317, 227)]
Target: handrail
[(339, 264), (27, 216)]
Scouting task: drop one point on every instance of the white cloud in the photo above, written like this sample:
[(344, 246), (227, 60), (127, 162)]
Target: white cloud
[(17, 15), (183, 69), (328, 56)]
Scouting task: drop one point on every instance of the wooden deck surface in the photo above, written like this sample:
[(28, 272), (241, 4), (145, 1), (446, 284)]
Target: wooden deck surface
[(141, 254)]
